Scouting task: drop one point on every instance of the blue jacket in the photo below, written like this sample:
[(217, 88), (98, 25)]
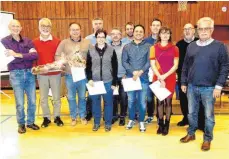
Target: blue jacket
[(136, 57)]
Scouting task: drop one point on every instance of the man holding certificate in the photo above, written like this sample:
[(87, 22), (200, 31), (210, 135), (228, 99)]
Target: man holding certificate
[(135, 59), (102, 66), (74, 52)]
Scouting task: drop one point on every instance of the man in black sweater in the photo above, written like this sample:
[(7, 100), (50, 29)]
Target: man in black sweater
[(204, 74), (189, 37)]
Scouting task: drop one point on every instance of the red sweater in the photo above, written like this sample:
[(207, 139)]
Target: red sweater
[(46, 51)]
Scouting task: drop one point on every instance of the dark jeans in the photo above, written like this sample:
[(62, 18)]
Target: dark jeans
[(120, 99), (150, 102)]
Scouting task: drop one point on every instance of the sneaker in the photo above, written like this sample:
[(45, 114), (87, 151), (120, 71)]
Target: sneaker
[(107, 128), (73, 122), (33, 126), (130, 124), (46, 122), (83, 121), (21, 129), (58, 121), (142, 127), (96, 127), (149, 120)]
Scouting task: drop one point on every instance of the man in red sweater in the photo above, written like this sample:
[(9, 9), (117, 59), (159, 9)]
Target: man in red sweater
[(46, 46)]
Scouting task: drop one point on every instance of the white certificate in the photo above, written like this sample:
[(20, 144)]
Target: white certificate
[(160, 92), (78, 73), (115, 92), (98, 88), (4, 60), (130, 85)]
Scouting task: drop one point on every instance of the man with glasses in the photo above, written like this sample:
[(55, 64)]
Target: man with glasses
[(74, 51), (204, 73), (21, 77), (46, 46), (117, 44)]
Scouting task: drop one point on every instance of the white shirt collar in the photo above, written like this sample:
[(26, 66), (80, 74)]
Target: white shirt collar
[(204, 43), (49, 38)]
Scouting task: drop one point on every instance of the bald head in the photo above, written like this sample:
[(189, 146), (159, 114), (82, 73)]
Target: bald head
[(189, 31), (15, 27)]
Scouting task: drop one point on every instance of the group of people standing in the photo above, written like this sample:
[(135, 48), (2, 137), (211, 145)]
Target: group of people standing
[(201, 66)]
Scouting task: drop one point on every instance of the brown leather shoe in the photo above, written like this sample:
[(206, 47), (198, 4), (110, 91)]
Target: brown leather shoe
[(188, 138), (206, 146)]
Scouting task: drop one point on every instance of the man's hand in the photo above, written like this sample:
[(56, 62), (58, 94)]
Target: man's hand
[(216, 93), (184, 89), (140, 73), (9, 52), (91, 83)]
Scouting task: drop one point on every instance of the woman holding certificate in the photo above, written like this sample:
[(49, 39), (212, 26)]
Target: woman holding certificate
[(102, 66), (164, 57)]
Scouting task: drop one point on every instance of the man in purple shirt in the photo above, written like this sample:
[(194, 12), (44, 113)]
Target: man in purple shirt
[(21, 78)]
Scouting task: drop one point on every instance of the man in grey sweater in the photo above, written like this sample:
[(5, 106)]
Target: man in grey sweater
[(204, 73)]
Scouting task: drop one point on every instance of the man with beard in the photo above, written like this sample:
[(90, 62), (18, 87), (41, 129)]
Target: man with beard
[(129, 33)]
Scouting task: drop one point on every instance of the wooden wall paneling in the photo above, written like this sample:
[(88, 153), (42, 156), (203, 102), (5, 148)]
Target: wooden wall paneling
[(123, 17), (132, 11), (119, 14), (128, 18), (136, 13), (146, 18), (114, 14), (142, 13)]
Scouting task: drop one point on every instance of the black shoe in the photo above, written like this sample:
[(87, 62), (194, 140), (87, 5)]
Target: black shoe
[(58, 121), (136, 117), (182, 123), (33, 126), (161, 126), (21, 129), (45, 123), (107, 128), (122, 121), (114, 120), (166, 128), (96, 127), (149, 120), (89, 116)]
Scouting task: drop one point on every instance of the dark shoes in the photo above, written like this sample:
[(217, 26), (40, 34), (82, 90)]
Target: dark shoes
[(89, 116), (107, 128), (188, 138), (149, 120), (21, 129), (33, 126), (114, 120), (182, 123), (96, 127), (161, 126), (206, 146), (58, 121), (122, 121), (46, 122), (166, 128)]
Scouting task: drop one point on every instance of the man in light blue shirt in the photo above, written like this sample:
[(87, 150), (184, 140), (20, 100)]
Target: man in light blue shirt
[(97, 23), (129, 33)]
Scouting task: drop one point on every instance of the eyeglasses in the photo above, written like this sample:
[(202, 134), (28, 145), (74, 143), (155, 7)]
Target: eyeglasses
[(45, 26), (188, 29), (204, 29), (103, 37)]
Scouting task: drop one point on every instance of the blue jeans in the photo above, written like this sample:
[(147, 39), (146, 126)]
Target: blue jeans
[(205, 95), (80, 88), (139, 98), (108, 105), (23, 81)]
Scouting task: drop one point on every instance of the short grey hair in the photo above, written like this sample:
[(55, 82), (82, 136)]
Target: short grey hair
[(206, 19), (45, 19)]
